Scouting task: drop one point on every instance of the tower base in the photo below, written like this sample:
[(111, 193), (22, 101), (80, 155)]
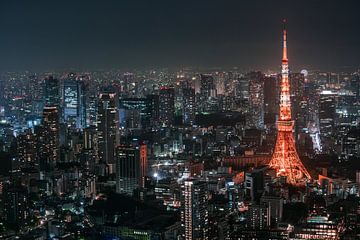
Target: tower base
[(286, 161)]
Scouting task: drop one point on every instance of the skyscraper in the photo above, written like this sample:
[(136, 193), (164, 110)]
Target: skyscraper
[(207, 92), (327, 114), (256, 99), (285, 159), (74, 108), (153, 101), (194, 214), (131, 168), (207, 86), (166, 106), (188, 105), (297, 82), (49, 138), (258, 217), (271, 97), (26, 148), (108, 127), (52, 91), (135, 113), (16, 205)]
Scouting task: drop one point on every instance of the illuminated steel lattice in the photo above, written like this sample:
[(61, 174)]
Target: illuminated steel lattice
[(285, 159)]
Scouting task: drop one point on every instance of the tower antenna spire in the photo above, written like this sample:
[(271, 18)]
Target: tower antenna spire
[(284, 42)]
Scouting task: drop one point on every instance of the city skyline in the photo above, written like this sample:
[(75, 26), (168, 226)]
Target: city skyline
[(123, 128), (138, 34)]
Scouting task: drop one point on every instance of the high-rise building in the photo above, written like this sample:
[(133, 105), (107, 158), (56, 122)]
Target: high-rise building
[(16, 205), (49, 138), (271, 98), (26, 148), (194, 214), (242, 87), (130, 87), (91, 107), (135, 113), (297, 83), (188, 101), (90, 149), (207, 93), (354, 85), (318, 227), (52, 91), (285, 159), (108, 128), (350, 143), (258, 217), (74, 108), (131, 168), (35, 88), (207, 86), (275, 207), (153, 101), (327, 115), (256, 99), (166, 106), (220, 83), (254, 183)]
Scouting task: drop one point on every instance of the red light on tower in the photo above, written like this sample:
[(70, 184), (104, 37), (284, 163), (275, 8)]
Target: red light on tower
[(285, 159)]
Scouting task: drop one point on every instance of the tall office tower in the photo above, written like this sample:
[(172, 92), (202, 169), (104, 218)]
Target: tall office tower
[(207, 86), (207, 92), (130, 86), (131, 168), (285, 159), (108, 128), (90, 149), (327, 114), (135, 113), (220, 83), (153, 101), (350, 143), (194, 213), (275, 205), (271, 106), (166, 106), (74, 108), (16, 205), (188, 105), (354, 85), (318, 227), (254, 183), (49, 139), (256, 99), (242, 88), (35, 88), (258, 217), (297, 83), (332, 79), (26, 148), (52, 91), (91, 107)]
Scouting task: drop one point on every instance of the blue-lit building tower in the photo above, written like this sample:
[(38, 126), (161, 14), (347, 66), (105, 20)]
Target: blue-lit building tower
[(74, 107)]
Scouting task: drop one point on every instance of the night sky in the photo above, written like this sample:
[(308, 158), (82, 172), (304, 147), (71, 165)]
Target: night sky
[(44, 35)]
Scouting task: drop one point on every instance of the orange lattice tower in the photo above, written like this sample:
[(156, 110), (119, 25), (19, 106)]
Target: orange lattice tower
[(285, 159)]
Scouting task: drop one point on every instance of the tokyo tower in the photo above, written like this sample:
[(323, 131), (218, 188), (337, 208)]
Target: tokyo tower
[(285, 159)]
